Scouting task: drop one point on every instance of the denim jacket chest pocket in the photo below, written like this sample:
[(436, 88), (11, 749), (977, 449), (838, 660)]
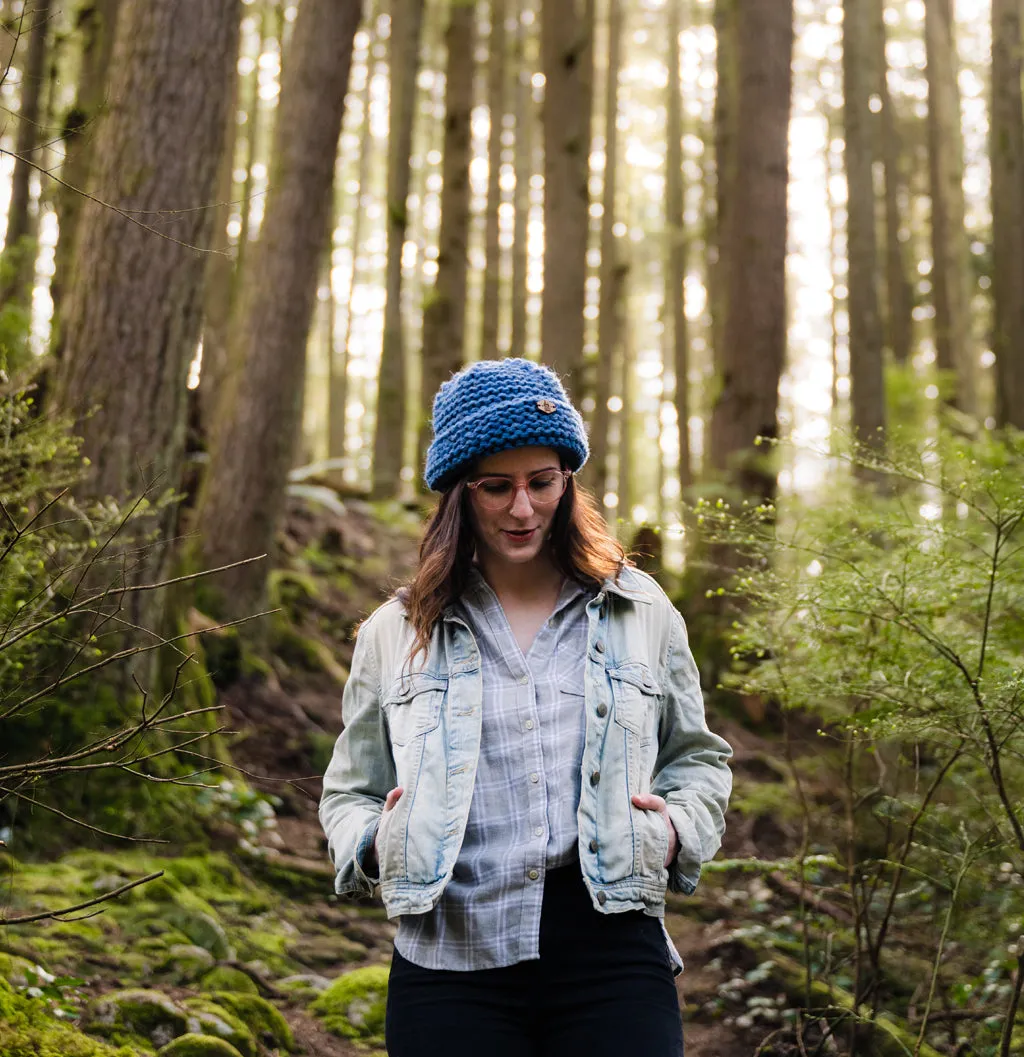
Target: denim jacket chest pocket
[(635, 699), (412, 706)]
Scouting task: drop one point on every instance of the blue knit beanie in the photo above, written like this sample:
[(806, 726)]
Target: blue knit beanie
[(493, 405)]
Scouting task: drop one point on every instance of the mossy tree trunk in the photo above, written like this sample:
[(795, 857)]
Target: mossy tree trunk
[(244, 493), (1007, 157), (866, 365), (949, 275), (595, 473), (254, 131), (19, 253), (567, 56), (496, 79), (95, 24), (389, 429), (899, 296), (752, 241), (444, 315), (525, 118), (676, 341), (133, 302)]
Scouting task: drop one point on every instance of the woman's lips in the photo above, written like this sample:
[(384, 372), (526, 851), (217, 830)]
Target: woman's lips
[(519, 536)]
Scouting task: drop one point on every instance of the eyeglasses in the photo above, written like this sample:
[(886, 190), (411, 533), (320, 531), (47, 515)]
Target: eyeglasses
[(543, 488)]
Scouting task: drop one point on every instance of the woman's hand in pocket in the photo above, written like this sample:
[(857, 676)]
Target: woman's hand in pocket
[(652, 802)]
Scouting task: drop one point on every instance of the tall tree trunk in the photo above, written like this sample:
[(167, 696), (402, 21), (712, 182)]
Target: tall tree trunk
[(676, 337), (96, 22), (19, 253), (496, 78), (753, 261), (524, 170), (1007, 155), (218, 299), (133, 303), (612, 271), (244, 492), (866, 364), (253, 138), (627, 366), (338, 386), (726, 143), (444, 316), (566, 48), (389, 428), (949, 238), (899, 296)]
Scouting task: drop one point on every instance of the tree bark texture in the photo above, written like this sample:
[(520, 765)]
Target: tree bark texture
[(951, 294), (389, 428), (496, 79), (525, 118), (867, 384), (253, 134), (612, 269), (444, 316), (753, 241), (244, 492), (566, 49), (133, 303), (627, 380), (95, 23), (1007, 156), (19, 253), (676, 336), (899, 295)]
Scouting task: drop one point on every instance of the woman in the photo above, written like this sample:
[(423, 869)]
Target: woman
[(525, 765)]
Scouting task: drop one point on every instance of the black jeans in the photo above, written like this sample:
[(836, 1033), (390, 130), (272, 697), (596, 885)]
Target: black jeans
[(602, 987)]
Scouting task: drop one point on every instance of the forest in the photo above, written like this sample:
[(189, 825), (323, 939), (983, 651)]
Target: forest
[(774, 249)]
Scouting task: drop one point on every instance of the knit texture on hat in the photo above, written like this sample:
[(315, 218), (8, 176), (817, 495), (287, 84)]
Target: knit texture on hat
[(493, 405)]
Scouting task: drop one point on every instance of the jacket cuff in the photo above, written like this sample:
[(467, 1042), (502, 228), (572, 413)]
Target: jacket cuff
[(364, 850), (684, 870)]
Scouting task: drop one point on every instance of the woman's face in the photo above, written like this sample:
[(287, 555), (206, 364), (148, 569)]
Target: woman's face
[(518, 532)]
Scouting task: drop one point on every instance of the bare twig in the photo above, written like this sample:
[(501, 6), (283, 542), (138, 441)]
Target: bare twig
[(105, 898)]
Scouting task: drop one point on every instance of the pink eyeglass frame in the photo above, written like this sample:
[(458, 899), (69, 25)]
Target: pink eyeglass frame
[(520, 481)]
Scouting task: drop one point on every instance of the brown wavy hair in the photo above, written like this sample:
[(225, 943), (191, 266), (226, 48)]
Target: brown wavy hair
[(582, 549)]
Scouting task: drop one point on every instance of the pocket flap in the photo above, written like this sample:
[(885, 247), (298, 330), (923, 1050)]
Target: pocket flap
[(638, 675), (406, 687)]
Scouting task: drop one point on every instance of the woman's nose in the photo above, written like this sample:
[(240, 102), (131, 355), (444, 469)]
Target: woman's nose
[(521, 505)]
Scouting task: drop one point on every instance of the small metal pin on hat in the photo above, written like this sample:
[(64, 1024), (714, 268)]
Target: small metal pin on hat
[(546, 407)]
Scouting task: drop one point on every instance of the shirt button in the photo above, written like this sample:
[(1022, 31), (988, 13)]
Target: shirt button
[(534, 874), (595, 778), (523, 680), (592, 845), (602, 898), (602, 710), (528, 724), (538, 831), (535, 777)]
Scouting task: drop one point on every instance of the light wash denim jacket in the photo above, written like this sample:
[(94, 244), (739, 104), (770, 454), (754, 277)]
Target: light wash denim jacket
[(419, 729)]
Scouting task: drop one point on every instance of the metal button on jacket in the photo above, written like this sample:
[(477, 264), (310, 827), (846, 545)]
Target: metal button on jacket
[(599, 646), (602, 898), (595, 778), (602, 710), (592, 845)]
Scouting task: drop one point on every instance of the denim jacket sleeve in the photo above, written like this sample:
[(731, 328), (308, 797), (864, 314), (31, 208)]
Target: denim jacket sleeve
[(691, 771), (360, 774)]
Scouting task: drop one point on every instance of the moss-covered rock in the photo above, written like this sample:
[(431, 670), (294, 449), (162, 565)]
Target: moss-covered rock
[(353, 1006), (17, 971), (208, 1018), (186, 962), (193, 1045), (148, 1014), (27, 1029), (259, 1016), (320, 951), (225, 978)]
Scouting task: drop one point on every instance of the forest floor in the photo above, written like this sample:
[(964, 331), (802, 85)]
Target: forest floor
[(263, 905)]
